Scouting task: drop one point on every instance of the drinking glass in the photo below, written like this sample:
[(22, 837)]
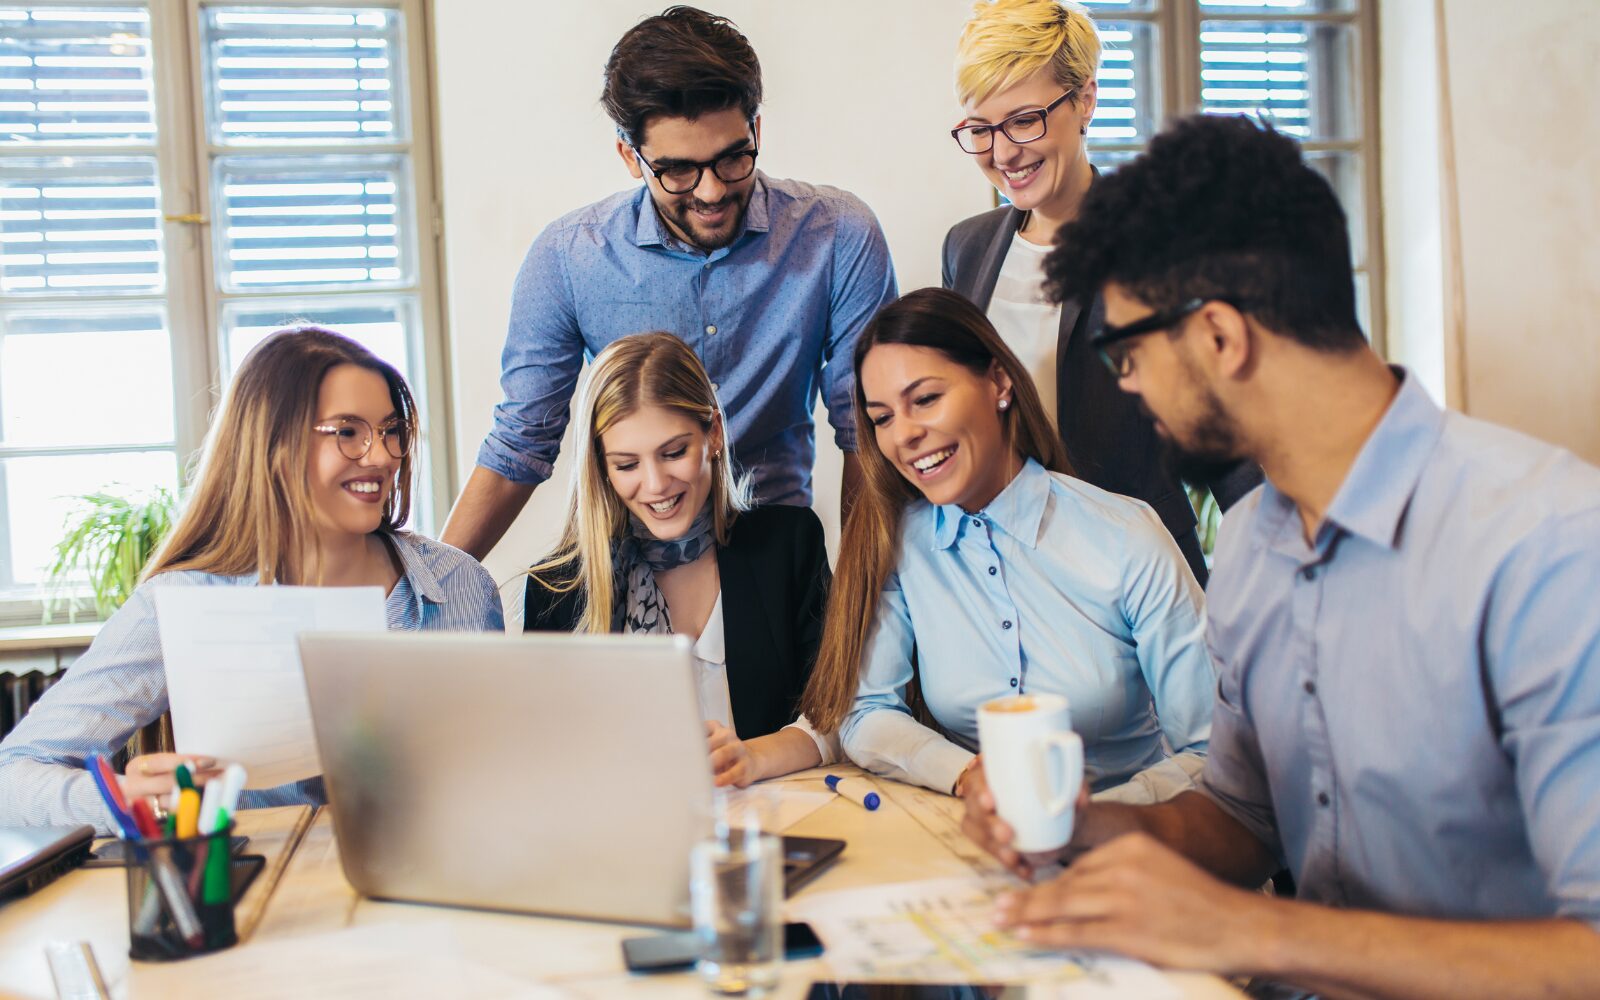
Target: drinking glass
[(736, 893)]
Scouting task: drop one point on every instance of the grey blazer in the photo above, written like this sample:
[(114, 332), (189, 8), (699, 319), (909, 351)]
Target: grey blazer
[(1110, 442)]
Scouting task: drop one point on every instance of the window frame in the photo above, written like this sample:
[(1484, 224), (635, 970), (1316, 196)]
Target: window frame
[(1177, 27), (193, 299)]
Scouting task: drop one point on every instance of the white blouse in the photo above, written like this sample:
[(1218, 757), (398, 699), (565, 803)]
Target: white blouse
[(1028, 323), (711, 685)]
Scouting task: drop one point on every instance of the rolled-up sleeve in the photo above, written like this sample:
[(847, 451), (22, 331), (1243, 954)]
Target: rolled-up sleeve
[(863, 283), (116, 687), (879, 734), (538, 368), (1542, 653)]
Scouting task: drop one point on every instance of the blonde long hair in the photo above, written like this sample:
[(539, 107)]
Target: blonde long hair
[(647, 369), (946, 322), (1006, 41), (249, 508)]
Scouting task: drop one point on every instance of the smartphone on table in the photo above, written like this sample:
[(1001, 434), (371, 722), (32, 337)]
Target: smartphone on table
[(675, 951)]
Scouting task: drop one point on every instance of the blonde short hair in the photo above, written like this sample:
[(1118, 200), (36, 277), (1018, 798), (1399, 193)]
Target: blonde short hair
[(1006, 41)]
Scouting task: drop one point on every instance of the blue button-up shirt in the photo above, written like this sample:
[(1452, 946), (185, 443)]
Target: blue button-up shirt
[(1408, 709), (118, 685), (1056, 586), (772, 315)]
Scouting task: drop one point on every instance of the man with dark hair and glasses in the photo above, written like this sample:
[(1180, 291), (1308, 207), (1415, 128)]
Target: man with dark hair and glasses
[(768, 280), (1403, 620)]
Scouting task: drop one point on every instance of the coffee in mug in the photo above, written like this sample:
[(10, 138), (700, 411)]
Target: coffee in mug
[(1034, 765)]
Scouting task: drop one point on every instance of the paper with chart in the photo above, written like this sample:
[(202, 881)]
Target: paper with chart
[(233, 670), (942, 931), (941, 816)]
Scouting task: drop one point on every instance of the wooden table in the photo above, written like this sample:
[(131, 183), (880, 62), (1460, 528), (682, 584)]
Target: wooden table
[(310, 934)]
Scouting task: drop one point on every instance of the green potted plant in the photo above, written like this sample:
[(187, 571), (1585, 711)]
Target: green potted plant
[(108, 539)]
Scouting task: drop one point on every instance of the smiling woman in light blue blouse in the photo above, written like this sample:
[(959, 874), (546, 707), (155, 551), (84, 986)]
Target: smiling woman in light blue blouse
[(974, 562), (306, 479)]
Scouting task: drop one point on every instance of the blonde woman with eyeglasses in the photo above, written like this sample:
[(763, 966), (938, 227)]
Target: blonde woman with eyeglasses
[(661, 538), (1026, 82), (305, 479)]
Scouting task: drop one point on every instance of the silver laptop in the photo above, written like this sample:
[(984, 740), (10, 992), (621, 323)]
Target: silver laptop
[(558, 774)]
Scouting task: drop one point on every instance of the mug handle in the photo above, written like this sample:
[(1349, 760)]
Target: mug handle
[(1070, 746)]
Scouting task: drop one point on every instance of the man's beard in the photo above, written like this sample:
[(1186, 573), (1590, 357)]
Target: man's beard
[(1212, 446), (682, 214)]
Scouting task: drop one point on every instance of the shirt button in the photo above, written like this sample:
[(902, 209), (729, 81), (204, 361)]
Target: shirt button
[(1311, 687), (1309, 573), (1006, 623), (1013, 682), (993, 570), (711, 330), (1323, 800)]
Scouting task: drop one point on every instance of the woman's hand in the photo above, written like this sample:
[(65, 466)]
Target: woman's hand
[(154, 773), (733, 761)]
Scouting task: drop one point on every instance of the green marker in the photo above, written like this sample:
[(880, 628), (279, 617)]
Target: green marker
[(215, 888), (185, 780)]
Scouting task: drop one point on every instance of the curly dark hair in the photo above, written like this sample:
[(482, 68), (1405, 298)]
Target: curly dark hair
[(1219, 207), (682, 63)]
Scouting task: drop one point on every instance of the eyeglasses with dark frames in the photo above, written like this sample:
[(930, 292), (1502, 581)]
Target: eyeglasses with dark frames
[(682, 178), (1112, 341), (1022, 127), (354, 437)]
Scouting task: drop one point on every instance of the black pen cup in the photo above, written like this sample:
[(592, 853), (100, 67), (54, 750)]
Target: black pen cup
[(180, 896)]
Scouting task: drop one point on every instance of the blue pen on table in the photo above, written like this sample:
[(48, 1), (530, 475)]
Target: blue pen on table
[(857, 790), (104, 780)]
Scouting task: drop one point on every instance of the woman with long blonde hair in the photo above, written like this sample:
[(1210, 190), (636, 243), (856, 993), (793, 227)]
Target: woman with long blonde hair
[(660, 538), (305, 479), (977, 564)]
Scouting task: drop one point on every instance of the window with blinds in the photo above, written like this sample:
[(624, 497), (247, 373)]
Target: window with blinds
[(1304, 66), (126, 300)]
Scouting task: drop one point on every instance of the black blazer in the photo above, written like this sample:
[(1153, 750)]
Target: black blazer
[(1109, 442), (775, 579)]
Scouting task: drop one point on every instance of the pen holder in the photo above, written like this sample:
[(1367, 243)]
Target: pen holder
[(180, 896)]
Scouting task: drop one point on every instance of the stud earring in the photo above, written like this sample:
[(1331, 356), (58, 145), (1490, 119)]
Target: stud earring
[(1005, 403)]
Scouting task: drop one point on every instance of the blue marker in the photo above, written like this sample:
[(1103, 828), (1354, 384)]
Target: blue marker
[(857, 790), (104, 781)]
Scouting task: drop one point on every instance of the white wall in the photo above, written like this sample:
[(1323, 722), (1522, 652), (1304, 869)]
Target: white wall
[(858, 95), (1492, 205)]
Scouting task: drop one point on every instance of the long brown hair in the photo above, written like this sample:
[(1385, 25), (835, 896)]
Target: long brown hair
[(945, 322), (249, 508), (646, 369)]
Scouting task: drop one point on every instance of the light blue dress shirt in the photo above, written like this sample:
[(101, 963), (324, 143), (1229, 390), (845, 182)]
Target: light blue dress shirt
[(771, 316), (1056, 586), (118, 685), (1408, 708)]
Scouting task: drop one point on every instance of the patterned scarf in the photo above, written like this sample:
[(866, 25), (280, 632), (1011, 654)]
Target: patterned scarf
[(640, 556)]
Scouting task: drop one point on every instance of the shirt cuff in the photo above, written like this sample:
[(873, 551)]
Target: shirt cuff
[(512, 466), (827, 746), (940, 763)]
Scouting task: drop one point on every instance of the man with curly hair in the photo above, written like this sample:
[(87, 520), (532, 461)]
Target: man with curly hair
[(1402, 617)]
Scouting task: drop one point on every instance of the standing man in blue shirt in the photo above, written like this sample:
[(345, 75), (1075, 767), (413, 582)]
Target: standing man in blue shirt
[(1403, 621), (768, 280)]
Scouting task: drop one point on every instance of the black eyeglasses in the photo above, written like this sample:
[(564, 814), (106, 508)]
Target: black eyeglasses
[(681, 178), (354, 437), (1111, 341), (1024, 126)]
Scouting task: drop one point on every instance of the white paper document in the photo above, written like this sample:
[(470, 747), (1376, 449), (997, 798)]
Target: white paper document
[(942, 931), (774, 808), (233, 670)]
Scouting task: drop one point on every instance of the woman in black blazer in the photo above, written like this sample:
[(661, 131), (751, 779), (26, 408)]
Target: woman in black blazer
[(660, 538), (1025, 75)]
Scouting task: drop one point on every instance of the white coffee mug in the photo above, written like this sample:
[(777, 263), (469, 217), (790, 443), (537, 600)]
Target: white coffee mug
[(1034, 764)]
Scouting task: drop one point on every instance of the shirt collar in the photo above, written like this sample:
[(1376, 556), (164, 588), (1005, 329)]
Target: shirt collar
[(1372, 500), (650, 231), (1018, 510), (423, 581)]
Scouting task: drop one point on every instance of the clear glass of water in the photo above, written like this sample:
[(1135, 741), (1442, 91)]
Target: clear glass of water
[(736, 892)]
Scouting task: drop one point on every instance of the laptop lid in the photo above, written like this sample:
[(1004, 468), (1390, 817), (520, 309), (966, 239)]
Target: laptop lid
[(33, 856), (561, 774)]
